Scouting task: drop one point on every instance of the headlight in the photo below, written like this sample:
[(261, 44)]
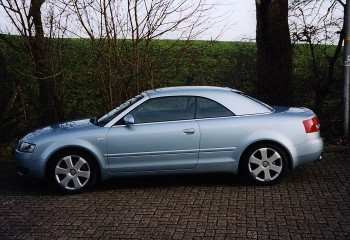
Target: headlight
[(26, 147)]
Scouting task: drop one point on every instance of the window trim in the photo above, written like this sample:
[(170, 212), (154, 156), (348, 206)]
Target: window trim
[(121, 123), (164, 97)]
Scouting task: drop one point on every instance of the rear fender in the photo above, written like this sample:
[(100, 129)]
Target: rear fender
[(269, 136)]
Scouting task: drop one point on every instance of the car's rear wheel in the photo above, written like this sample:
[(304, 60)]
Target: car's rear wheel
[(264, 164), (73, 171)]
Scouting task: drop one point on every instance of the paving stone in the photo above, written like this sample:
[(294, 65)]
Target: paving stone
[(312, 202)]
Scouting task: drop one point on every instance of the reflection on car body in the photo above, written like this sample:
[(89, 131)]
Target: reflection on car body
[(174, 130)]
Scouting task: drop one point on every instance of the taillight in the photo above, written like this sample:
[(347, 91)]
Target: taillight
[(311, 125)]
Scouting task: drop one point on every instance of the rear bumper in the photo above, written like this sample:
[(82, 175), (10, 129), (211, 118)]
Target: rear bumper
[(308, 152)]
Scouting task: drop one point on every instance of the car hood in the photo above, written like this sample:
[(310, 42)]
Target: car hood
[(58, 128)]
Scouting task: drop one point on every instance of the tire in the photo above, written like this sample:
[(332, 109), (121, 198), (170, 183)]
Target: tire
[(73, 171), (264, 164)]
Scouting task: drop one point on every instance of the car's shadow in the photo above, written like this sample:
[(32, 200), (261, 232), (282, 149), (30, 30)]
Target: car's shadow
[(12, 184), (168, 181)]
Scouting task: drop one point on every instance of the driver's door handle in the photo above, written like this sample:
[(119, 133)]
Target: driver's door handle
[(189, 131)]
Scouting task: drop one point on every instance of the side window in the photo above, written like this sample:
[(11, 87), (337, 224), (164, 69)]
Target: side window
[(207, 108), (165, 109)]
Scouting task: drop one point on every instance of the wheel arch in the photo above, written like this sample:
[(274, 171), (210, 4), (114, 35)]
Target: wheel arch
[(75, 148), (279, 145)]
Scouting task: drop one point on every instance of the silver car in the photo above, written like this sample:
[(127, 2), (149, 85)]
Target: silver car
[(174, 130)]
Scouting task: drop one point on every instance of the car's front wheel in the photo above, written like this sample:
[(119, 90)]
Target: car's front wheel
[(73, 171), (264, 164)]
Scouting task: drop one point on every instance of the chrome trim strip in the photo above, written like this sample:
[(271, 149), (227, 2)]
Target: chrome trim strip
[(226, 149), (208, 150), (150, 153)]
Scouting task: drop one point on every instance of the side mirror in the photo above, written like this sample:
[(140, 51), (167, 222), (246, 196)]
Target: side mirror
[(129, 120)]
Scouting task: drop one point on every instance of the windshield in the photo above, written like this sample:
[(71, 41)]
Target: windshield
[(112, 114)]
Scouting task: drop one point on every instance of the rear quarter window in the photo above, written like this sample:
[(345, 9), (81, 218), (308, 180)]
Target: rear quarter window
[(207, 108)]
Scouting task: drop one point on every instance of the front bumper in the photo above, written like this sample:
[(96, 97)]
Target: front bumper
[(28, 166)]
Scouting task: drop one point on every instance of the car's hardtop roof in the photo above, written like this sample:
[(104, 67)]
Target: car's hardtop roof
[(232, 99), (188, 90)]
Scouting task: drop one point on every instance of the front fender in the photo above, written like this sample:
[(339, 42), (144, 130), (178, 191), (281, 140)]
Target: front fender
[(94, 144)]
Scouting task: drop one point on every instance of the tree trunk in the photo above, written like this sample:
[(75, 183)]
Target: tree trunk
[(42, 67), (274, 57)]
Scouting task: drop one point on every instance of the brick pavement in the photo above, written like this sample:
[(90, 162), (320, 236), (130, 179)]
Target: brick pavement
[(312, 202)]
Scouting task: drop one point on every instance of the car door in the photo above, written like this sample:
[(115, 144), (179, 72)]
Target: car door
[(165, 136), (218, 132)]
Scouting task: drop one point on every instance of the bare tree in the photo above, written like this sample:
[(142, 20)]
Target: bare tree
[(319, 24), (123, 36), (26, 18)]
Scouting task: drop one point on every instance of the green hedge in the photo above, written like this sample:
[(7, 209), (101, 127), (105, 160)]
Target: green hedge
[(81, 88)]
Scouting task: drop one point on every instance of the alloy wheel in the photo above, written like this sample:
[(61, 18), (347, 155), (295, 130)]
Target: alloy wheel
[(72, 172), (265, 164)]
